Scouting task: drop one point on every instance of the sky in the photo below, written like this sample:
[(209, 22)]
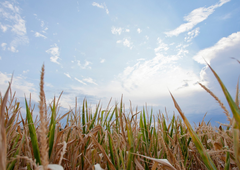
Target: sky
[(142, 50)]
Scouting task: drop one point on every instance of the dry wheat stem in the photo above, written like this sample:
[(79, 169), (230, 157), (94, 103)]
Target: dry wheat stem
[(43, 124)]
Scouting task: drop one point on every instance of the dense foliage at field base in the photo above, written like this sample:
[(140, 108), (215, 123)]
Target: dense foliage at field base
[(113, 138)]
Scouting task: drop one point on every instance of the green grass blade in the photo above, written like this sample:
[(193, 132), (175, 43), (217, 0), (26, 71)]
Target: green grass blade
[(204, 155), (94, 117), (33, 135), (227, 161), (52, 128), (145, 124), (83, 118), (111, 146), (231, 103), (131, 144), (12, 164)]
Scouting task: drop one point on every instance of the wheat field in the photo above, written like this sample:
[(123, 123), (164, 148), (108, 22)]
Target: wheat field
[(114, 139)]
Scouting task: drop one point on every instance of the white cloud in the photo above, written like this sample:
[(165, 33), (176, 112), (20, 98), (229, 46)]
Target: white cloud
[(80, 81), (227, 16), (54, 51), (102, 61), (192, 34), (42, 23), (45, 29), (147, 37), (116, 30), (97, 5), (12, 49), (161, 46), (103, 6), (139, 30), (48, 84), (224, 44), (119, 41), (25, 71), (37, 34), (196, 16), (127, 30), (3, 27), (149, 81), (19, 85), (89, 80), (126, 42), (155, 75), (11, 14), (66, 74), (85, 65), (6, 4), (4, 46), (0, 57), (107, 11)]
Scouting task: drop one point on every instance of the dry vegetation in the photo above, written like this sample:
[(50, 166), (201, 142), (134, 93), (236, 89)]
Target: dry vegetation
[(113, 138)]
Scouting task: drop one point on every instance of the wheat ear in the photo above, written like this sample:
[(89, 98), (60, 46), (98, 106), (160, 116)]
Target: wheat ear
[(218, 100), (43, 123)]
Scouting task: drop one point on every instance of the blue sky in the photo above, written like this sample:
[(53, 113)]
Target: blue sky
[(103, 49)]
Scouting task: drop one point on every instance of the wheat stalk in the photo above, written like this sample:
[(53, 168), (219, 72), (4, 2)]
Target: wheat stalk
[(43, 123)]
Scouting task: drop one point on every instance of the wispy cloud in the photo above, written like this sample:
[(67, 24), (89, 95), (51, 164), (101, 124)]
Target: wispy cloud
[(107, 11), (3, 27), (89, 80), (11, 14), (42, 23), (116, 30), (102, 61), (127, 30), (66, 74), (150, 79), (224, 44), (227, 16), (103, 6), (80, 81), (19, 85), (192, 34), (3, 45), (85, 65), (37, 34), (126, 42), (97, 5), (196, 16), (54, 51), (25, 71), (13, 49), (161, 46), (139, 30)]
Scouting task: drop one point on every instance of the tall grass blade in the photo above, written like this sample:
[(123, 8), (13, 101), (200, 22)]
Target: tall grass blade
[(94, 117), (52, 128), (227, 161), (236, 144), (205, 156), (12, 164), (3, 139), (234, 108), (33, 135)]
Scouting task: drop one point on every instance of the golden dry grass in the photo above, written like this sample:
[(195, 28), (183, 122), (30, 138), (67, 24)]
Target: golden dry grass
[(113, 138)]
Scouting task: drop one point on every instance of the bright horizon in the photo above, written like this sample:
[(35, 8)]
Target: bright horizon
[(141, 49)]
